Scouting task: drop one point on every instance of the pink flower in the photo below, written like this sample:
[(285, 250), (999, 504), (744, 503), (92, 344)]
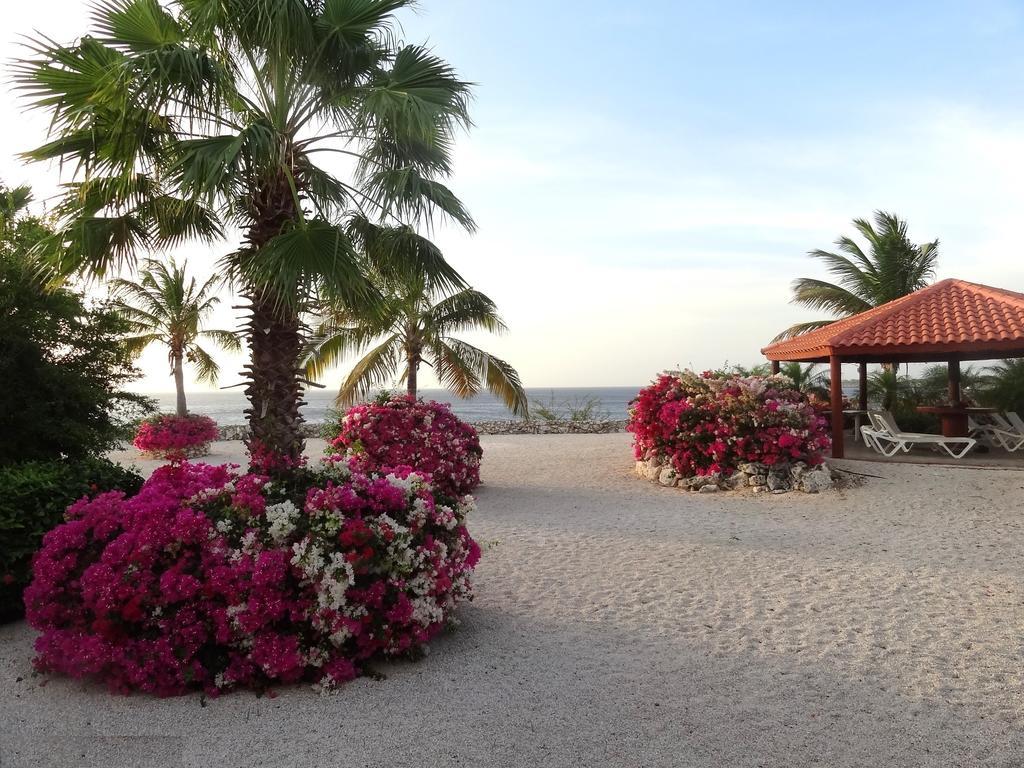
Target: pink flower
[(213, 580), (711, 423), (422, 436)]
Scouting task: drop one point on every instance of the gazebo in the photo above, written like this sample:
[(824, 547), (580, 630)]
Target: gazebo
[(950, 321)]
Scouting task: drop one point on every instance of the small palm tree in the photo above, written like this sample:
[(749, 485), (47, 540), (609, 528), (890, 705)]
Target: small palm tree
[(891, 267), (13, 202), (1004, 386), (168, 308), (415, 327), (933, 383), (806, 378)]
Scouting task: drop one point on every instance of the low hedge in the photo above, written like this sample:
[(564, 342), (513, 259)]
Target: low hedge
[(33, 498)]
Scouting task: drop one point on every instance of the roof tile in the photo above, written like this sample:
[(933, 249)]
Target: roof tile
[(954, 316)]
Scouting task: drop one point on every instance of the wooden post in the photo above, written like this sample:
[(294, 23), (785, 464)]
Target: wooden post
[(775, 367), (862, 392), (836, 387), (954, 382)]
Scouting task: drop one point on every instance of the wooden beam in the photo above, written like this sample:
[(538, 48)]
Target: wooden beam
[(836, 387), (954, 381), (776, 367), (862, 390)]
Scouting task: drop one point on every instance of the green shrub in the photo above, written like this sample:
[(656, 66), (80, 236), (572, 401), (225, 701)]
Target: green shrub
[(33, 497), (911, 420), (575, 409), (63, 359)]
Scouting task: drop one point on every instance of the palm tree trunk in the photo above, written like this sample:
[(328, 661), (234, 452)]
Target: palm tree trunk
[(275, 340), (274, 390), (179, 387), (414, 366)]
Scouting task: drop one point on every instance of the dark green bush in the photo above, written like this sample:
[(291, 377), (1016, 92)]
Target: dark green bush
[(912, 421), (33, 497), (63, 360)]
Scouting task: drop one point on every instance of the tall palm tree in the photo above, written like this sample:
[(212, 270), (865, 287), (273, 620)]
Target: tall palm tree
[(168, 308), (192, 118), (415, 328), (891, 267)]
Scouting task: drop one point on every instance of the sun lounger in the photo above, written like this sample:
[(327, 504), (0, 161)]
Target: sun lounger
[(885, 436), (1014, 422), (997, 431)]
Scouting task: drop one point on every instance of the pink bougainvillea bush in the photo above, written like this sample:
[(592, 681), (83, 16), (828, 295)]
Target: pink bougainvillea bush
[(423, 435), (176, 437), (708, 423), (212, 580)]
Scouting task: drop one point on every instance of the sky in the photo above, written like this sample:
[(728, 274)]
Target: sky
[(648, 177)]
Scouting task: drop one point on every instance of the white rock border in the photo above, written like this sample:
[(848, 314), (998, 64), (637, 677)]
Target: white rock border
[(761, 478)]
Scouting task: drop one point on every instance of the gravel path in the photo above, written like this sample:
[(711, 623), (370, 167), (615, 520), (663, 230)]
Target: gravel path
[(618, 623)]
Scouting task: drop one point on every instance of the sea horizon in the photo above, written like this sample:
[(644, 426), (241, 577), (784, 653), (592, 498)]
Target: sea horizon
[(227, 407)]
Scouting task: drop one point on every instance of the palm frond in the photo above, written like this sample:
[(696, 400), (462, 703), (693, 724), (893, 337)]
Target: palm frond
[(822, 295), (205, 366), (375, 369), (136, 344), (331, 344), (315, 255), (500, 378), (800, 328), (467, 310), (401, 255), (228, 340)]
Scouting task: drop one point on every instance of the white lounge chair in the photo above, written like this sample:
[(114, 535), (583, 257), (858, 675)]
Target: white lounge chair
[(885, 436), (997, 431), (1014, 422)]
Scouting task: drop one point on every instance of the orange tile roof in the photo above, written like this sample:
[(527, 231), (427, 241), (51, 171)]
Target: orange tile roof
[(949, 318)]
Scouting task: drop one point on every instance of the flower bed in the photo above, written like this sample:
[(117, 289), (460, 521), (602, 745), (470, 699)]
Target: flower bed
[(423, 435), (707, 424), (212, 580), (168, 436)]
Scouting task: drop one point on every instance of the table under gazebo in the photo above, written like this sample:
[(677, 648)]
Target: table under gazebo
[(948, 322)]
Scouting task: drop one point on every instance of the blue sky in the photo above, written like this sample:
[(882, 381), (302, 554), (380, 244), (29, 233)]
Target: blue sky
[(648, 177)]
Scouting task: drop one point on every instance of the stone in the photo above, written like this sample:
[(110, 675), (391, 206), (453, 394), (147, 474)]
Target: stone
[(817, 480), (537, 427), (668, 477), (709, 488), (760, 489), (779, 491), (797, 470), (758, 480), (779, 481), (736, 480), (652, 470), (753, 468)]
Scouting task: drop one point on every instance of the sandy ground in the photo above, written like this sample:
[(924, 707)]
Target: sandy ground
[(618, 623)]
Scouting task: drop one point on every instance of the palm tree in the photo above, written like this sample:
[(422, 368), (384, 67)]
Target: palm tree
[(13, 202), (933, 383), (415, 327), (806, 378), (891, 267), (191, 118), (1004, 386), (168, 308)]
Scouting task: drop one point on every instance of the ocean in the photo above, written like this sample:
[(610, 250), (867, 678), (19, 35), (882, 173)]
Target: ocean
[(226, 408)]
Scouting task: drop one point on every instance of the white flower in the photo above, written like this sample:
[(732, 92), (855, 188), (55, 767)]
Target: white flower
[(249, 542), (406, 483), (282, 518)]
